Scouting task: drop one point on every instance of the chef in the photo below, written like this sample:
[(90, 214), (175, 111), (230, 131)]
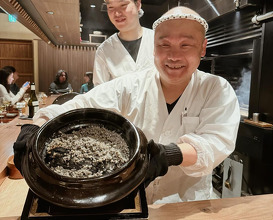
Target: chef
[(128, 51), (190, 117)]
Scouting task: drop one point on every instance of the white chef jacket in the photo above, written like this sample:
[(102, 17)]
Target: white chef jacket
[(206, 116), (112, 59)]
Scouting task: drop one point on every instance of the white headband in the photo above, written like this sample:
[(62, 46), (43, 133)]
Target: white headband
[(199, 19)]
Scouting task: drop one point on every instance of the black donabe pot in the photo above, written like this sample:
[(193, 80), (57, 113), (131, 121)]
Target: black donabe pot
[(88, 192)]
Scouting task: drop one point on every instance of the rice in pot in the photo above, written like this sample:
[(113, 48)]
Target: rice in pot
[(92, 151)]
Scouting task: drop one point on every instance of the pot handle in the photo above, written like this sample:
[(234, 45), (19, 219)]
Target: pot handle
[(143, 141)]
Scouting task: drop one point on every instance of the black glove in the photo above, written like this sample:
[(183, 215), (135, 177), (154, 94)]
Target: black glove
[(161, 157), (24, 140)]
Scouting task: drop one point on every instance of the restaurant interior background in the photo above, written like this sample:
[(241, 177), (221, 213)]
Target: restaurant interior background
[(55, 34)]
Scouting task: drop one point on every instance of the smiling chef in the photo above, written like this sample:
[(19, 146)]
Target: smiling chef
[(190, 117), (127, 51)]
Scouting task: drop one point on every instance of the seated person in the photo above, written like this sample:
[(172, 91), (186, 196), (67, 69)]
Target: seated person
[(60, 84), (6, 78), (14, 88), (88, 85)]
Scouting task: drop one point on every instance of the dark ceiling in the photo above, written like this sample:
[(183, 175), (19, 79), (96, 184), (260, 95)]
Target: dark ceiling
[(63, 26), (96, 19)]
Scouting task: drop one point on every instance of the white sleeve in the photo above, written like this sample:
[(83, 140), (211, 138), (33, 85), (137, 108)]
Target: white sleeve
[(100, 72), (10, 96), (104, 96), (215, 137)]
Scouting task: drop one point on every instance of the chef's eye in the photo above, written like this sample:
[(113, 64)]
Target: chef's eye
[(186, 45), (164, 45)]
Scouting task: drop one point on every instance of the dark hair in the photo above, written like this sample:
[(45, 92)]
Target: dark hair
[(4, 74), (57, 80), (90, 83), (89, 75), (9, 69)]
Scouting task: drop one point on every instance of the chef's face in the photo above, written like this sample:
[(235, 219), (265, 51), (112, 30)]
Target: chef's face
[(10, 78), (123, 13), (179, 46)]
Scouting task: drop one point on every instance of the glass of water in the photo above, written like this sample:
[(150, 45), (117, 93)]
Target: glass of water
[(2, 113), (26, 97)]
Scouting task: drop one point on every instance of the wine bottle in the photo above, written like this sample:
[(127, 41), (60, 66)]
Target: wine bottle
[(33, 103)]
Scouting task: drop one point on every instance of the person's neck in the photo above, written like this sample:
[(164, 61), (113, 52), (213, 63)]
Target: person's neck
[(173, 92), (132, 34)]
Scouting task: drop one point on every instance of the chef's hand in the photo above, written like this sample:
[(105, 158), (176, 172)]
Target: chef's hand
[(161, 157), (24, 140)]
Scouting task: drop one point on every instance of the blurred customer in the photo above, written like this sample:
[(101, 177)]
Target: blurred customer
[(14, 88), (88, 85), (6, 78), (60, 84), (128, 51)]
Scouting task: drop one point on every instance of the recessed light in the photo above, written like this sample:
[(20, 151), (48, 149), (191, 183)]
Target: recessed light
[(56, 26), (93, 6), (61, 35)]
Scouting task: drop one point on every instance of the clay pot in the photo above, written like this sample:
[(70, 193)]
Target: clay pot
[(86, 192)]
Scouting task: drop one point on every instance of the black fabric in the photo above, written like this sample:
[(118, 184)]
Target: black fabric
[(24, 140), (14, 88), (171, 106), (160, 158), (132, 47), (60, 88)]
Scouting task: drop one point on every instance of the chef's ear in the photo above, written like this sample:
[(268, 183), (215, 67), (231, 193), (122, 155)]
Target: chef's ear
[(138, 4), (204, 47)]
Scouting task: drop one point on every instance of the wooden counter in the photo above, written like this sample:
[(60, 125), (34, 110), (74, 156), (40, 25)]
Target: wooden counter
[(13, 194), (8, 135)]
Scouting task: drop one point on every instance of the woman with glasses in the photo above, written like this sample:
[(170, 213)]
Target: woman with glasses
[(60, 84)]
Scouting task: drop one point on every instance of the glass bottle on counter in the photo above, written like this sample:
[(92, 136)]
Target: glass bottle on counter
[(33, 103)]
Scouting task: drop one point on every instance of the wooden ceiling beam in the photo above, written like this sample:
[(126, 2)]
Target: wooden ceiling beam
[(15, 9), (60, 28)]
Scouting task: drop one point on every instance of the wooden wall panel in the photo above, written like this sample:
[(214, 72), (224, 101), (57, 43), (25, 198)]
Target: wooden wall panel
[(76, 60), (18, 53), (45, 65)]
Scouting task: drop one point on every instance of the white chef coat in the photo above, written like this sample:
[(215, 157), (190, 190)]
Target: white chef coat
[(206, 116), (112, 59)]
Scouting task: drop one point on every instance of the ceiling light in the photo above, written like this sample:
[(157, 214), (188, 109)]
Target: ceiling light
[(212, 6), (50, 12), (61, 35), (93, 6), (56, 26)]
